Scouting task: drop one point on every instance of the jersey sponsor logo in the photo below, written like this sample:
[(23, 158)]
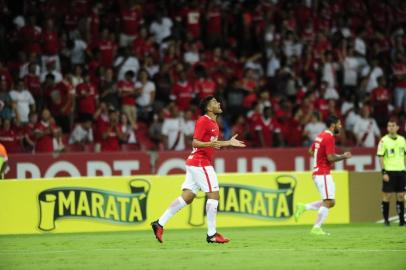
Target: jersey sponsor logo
[(103, 205), (252, 201)]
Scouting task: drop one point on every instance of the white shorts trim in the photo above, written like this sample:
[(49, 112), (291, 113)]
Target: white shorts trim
[(326, 186), (200, 178)]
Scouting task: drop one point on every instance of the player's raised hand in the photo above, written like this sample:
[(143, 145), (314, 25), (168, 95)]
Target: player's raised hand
[(236, 143)]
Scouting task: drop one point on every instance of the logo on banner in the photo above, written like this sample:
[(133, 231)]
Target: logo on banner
[(103, 205), (251, 201)]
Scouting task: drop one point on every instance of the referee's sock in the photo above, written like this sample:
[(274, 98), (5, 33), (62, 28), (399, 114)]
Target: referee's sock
[(385, 211), (400, 208)]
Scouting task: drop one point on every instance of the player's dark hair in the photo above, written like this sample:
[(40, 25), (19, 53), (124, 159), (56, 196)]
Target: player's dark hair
[(203, 104), (331, 119)]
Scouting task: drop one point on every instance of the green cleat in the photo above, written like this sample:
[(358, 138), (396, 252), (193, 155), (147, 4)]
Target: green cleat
[(318, 231), (300, 209)]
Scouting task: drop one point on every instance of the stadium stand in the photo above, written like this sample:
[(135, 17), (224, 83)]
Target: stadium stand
[(279, 68)]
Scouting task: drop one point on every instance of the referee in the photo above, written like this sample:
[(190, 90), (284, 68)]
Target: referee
[(391, 152)]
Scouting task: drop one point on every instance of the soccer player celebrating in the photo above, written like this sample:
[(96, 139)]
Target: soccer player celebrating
[(200, 174), (323, 151)]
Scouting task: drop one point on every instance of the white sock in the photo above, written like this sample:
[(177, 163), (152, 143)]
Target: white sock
[(321, 217), (176, 205), (211, 212), (314, 205)]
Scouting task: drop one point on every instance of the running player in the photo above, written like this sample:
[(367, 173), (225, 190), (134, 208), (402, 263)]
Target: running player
[(323, 151), (200, 174)]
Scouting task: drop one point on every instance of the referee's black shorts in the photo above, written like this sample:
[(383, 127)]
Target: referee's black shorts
[(397, 181)]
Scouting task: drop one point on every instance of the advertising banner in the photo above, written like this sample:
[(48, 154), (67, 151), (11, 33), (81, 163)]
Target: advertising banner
[(131, 203), (266, 160), (26, 166)]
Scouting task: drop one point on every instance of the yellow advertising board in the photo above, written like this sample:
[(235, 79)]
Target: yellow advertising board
[(131, 203)]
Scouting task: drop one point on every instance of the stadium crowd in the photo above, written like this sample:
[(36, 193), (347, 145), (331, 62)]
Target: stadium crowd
[(110, 75)]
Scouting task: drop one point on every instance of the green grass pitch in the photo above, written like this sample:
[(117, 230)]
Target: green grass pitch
[(359, 246)]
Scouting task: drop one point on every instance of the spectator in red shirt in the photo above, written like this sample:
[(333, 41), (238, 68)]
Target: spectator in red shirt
[(107, 47), (28, 132), (44, 132), (131, 19), (101, 118), (248, 81), (204, 86), (380, 99), (321, 45), (10, 138), (30, 36), (267, 129), (182, 92), (241, 128), (59, 100), (144, 45), (128, 92), (214, 26), (192, 17), (94, 63), (87, 97), (50, 45), (112, 134), (320, 103), (399, 70), (93, 23), (71, 20), (33, 83), (292, 130)]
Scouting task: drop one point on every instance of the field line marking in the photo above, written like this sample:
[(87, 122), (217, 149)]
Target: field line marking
[(9, 252)]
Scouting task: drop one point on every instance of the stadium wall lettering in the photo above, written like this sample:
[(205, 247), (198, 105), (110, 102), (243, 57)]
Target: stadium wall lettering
[(24, 166), (97, 204), (93, 203)]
